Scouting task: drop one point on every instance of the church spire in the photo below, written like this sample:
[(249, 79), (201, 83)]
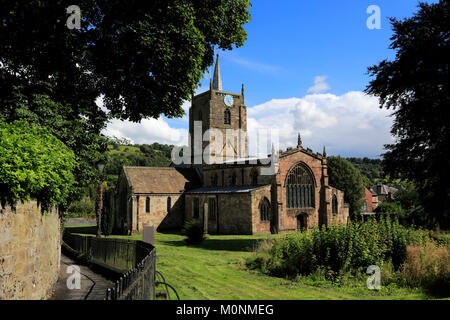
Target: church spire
[(217, 81), (299, 141), (324, 152)]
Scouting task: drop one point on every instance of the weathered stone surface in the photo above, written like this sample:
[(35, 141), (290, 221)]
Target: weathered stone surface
[(29, 252)]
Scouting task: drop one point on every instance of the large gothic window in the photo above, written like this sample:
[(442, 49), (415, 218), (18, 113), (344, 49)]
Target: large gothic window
[(299, 188), (264, 210), (334, 205), (227, 117)]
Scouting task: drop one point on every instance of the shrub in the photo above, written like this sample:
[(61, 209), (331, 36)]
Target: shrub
[(34, 164), (82, 208), (193, 230), (428, 267), (339, 249)]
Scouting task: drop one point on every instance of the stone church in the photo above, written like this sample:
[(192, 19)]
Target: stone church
[(225, 189)]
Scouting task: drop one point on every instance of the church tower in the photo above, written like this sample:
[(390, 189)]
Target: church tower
[(223, 112)]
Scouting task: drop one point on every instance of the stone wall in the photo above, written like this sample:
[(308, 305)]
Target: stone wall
[(258, 226), (158, 215), (29, 252)]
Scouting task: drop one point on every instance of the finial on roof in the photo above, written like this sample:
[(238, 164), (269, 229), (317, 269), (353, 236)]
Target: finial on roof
[(299, 141), (324, 152), (217, 81)]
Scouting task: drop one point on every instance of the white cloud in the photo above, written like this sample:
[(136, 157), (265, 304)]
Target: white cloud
[(147, 131), (319, 85), (350, 125)]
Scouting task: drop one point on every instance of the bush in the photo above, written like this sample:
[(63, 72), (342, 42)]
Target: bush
[(193, 230), (34, 164), (428, 267), (338, 249), (82, 208)]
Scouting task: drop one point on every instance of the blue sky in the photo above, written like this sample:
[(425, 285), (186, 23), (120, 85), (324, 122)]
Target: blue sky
[(290, 45)]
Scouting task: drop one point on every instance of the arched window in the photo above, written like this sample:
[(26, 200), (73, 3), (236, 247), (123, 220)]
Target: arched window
[(254, 176), (147, 205), (214, 180), (299, 187), (212, 209), (233, 179), (169, 204), (334, 205), (264, 210), (227, 117), (196, 206)]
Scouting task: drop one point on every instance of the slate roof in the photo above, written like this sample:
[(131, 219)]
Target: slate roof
[(161, 180), (235, 189)]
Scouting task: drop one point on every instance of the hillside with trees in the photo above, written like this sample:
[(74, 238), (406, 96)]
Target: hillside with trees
[(371, 169)]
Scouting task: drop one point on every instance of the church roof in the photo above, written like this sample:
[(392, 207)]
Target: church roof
[(234, 189), (161, 179)]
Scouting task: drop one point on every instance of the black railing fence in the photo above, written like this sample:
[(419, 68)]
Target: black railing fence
[(136, 260)]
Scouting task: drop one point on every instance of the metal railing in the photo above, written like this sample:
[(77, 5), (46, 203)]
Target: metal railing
[(136, 260)]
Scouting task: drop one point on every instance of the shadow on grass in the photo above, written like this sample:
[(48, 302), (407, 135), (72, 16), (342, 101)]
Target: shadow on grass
[(245, 245)]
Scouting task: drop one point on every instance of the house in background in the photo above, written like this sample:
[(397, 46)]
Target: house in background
[(383, 192), (370, 201)]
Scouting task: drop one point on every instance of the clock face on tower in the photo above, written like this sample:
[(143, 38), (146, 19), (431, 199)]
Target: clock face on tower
[(228, 100)]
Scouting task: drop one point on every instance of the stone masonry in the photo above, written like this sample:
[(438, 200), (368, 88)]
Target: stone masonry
[(29, 252)]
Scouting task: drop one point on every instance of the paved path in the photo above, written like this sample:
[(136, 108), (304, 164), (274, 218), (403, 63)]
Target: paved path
[(92, 285)]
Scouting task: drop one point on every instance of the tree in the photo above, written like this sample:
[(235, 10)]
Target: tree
[(143, 57), (416, 87), (34, 164), (344, 176)]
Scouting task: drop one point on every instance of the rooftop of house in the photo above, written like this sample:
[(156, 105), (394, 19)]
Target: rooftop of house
[(231, 189)]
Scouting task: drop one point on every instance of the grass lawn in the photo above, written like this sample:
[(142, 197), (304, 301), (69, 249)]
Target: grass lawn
[(215, 269)]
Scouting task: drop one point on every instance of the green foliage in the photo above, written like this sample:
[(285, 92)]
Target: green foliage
[(144, 57), (81, 208), (391, 208), (416, 85), (34, 164), (344, 176), (154, 155), (338, 249), (193, 230), (371, 169)]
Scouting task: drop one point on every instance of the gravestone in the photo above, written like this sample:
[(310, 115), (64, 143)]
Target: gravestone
[(149, 234)]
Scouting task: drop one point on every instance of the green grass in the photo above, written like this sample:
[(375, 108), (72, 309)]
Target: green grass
[(215, 269)]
